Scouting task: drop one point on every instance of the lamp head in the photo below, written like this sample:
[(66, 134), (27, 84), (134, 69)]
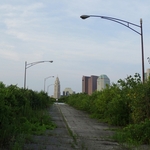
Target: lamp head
[(84, 16), (51, 61)]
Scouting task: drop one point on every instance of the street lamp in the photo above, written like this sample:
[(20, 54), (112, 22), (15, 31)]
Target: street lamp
[(30, 65), (128, 25), (45, 81), (48, 87)]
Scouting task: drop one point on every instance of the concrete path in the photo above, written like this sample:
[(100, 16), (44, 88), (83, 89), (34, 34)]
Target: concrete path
[(57, 139), (90, 134), (75, 130)]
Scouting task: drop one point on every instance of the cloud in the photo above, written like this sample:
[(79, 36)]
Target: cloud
[(9, 54), (52, 30)]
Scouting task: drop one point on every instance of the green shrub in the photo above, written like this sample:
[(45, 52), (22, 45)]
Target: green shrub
[(135, 133), (125, 104), (22, 112)]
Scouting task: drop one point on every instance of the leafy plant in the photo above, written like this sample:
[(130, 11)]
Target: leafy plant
[(22, 112), (124, 104)]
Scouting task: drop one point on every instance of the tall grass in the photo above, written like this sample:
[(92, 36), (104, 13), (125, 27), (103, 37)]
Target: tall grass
[(22, 112)]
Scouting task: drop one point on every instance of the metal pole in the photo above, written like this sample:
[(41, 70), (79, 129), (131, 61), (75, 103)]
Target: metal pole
[(44, 84), (142, 48), (25, 75)]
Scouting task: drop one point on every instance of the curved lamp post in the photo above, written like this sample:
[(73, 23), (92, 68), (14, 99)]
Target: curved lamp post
[(45, 81), (128, 25), (30, 65), (48, 87)]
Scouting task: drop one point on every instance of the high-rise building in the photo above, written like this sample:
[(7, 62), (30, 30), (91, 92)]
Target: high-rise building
[(85, 84), (147, 74), (57, 88), (89, 84), (92, 84), (102, 81)]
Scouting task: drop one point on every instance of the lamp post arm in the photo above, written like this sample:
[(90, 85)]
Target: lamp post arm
[(124, 23), (48, 77), (120, 21), (34, 63), (30, 65)]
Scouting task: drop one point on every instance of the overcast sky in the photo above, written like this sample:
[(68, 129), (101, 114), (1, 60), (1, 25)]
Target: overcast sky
[(41, 30)]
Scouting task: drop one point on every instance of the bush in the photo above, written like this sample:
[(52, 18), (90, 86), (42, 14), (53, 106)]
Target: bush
[(22, 112), (124, 104), (135, 133)]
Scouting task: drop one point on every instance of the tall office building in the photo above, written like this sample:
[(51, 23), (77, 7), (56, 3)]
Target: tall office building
[(102, 81), (85, 84), (57, 88), (89, 84), (92, 84), (148, 74)]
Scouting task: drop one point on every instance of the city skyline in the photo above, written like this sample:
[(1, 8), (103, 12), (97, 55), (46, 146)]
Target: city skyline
[(94, 83), (53, 31)]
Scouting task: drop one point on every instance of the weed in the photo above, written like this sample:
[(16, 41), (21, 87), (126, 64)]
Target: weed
[(23, 112)]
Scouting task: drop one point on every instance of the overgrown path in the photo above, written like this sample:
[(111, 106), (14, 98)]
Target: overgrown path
[(89, 133), (57, 139), (75, 130)]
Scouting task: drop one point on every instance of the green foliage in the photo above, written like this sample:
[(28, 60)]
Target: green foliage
[(79, 101), (135, 133), (139, 132), (61, 99), (22, 112), (125, 104)]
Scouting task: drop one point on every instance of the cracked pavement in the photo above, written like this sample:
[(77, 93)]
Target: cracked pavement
[(75, 130)]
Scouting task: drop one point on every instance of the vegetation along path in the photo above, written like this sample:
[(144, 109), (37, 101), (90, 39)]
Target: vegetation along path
[(75, 130), (57, 139)]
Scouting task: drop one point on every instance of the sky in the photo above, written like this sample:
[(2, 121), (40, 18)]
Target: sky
[(52, 30)]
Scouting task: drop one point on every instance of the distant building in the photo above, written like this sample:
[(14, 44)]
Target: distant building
[(68, 91), (89, 84), (102, 81), (147, 74), (85, 84), (57, 88)]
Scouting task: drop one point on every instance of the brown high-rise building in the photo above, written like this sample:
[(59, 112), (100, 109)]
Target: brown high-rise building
[(89, 84), (85, 84)]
